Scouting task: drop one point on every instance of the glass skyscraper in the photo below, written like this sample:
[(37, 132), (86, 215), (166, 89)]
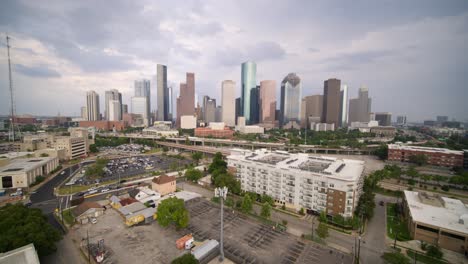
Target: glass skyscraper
[(291, 98), (248, 82)]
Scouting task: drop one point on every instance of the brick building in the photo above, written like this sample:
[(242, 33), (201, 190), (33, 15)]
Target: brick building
[(216, 133), (104, 125), (435, 156)]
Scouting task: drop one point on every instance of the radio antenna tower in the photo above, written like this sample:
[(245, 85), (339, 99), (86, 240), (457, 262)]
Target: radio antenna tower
[(14, 132)]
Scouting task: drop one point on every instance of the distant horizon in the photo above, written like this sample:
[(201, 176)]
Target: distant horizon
[(410, 55)]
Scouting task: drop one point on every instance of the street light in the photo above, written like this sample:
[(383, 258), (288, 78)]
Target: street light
[(221, 193)]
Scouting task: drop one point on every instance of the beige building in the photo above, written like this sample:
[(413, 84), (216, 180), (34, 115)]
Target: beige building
[(164, 184), (228, 95), (437, 220), (312, 107), (86, 211), (20, 173), (267, 101)]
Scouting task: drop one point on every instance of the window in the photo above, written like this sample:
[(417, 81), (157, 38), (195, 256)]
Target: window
[(453, 236), (426, 228)]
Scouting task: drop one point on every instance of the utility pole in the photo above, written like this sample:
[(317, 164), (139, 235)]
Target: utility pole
[(89, 250), (221, 193)]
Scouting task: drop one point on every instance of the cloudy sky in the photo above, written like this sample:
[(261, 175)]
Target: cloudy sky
[(412, 55)]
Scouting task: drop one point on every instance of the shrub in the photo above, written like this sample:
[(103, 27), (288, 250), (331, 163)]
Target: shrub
[(445, 188), (434, 252), (285, 222)]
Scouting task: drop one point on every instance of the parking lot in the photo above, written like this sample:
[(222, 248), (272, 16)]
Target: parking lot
[(137, 244), (125, 148), (248, 241)]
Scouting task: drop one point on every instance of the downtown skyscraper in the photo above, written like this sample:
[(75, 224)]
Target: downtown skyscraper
[(360, 108), (141, 102), (248, 84), (331, 102), (113, 95), (92, 106), (267, 101), (162, 93), (186, 99), (228, 95), (291, 97)]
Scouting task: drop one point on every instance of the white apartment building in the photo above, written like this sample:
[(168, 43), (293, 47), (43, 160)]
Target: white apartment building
[(315, 183)]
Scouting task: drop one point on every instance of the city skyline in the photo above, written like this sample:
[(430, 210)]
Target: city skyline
[(382, 56)]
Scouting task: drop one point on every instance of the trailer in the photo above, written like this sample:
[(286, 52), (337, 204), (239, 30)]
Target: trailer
[(180, 243), (206, 251)]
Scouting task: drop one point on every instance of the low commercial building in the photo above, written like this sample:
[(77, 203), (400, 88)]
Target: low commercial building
[(160, 132), (136, 213), (20, 173), (164, 184), (104, 125), (322, 127), (437, 220), (363, 127), (145, 194), (244, 129), (299, 180), (383, 131), (435, 156), (226, 132), (75, 147), (22, 255), (188, 122), (87, 210)]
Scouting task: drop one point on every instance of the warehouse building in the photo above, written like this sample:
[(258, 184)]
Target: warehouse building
[(20, 173), (299, 180), (437, 220)]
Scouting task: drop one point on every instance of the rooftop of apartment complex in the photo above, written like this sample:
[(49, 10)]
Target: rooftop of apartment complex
[(25, 164), (447, 213), (424, 149), (344, 169)]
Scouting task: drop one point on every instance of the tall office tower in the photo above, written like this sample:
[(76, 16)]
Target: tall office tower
[(115, 110), (384, 118), (219, 114), (210, 111), (186, 100), (170, 104), (84, 112), (291, 95), (238, 107), (143, 89), (112, 95), (401, 120), (124, 109), (228, 102), (255, 105), (92, 106), (267, 101), (331, 102), (204, 101), (140, 107), (199, 112), (344, 106), (162, 93), (312, 107), (360, 108), (248, 82)]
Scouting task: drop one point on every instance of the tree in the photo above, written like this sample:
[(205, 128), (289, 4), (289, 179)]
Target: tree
[(44, 155), (434, 252), (197, 156), (20, 225), (395, 258), (381, 152), (266, 210), (323, 217), (267, 199), (218, 164), (246, 204), (187, 258), (419, 159), (322, 230), (227, 180), (193, 174), (172, 211), (93, 148)]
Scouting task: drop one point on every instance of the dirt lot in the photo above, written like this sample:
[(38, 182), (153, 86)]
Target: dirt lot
[(138, 244), (248, 241)]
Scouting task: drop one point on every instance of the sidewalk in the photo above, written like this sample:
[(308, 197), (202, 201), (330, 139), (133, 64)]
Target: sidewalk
[(450, 256)]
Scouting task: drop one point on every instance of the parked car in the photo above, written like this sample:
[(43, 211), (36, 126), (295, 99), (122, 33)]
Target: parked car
[(381, 203), (28, 203), (92, 191), (105, 190), (93, 220)]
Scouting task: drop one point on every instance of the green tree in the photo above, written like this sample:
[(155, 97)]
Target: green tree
[(266, 210), (173, 166), (218, 164), (227, 180), (44, 155), (193, 174), (323, 217), (93, 148), (395, 258), (187, 258), (381, 152), (322, 230), (20, 225), (246, 204), (172, 211), (434, 252), (419, 159), (267, 199), (197, 156)]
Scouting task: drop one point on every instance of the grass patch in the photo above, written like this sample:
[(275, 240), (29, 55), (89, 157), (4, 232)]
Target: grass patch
[(316, 239), (79, 188), (68, 217), (387, 192), (421, 258), (339, 229), (396, 226)]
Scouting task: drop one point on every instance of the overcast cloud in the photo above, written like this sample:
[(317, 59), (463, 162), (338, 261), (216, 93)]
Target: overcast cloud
[(411, 55)]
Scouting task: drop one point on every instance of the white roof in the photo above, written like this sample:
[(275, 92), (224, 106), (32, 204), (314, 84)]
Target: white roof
[(341, 169), (21, 165), (424, 149), (446, 216)]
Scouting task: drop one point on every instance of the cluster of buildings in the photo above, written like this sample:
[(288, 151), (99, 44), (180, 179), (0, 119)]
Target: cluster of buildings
[(257, 105), (300, 181), (435, 156)]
